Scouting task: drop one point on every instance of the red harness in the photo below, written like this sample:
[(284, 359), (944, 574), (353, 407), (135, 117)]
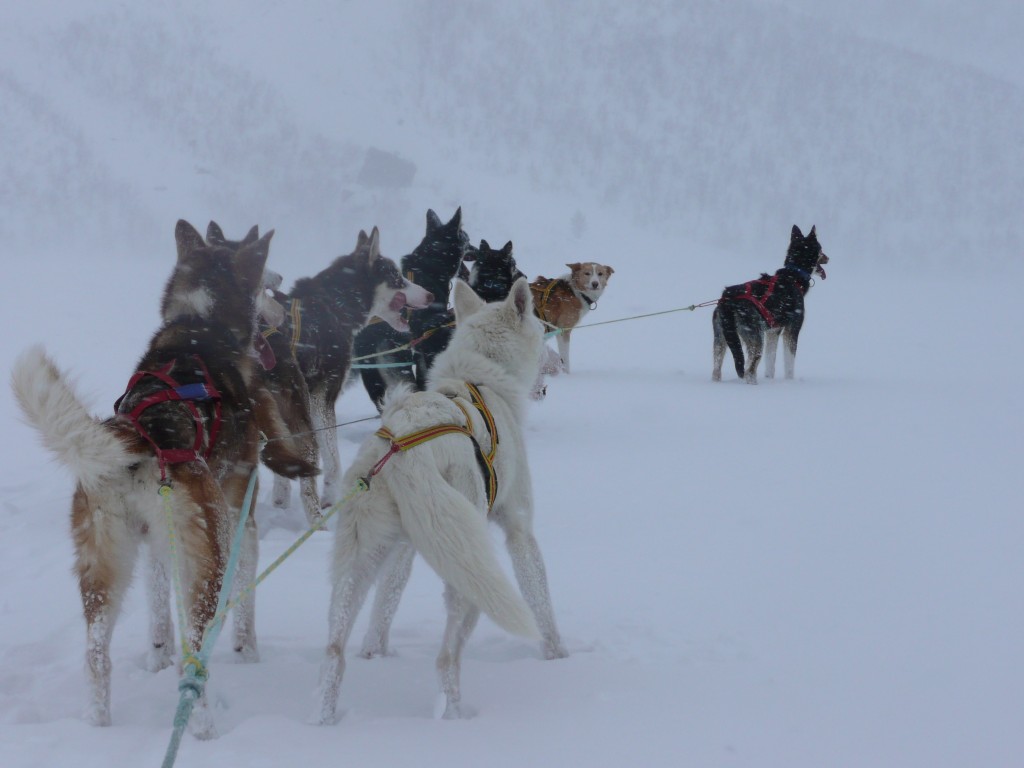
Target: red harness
[(758, 301), (189, 394)]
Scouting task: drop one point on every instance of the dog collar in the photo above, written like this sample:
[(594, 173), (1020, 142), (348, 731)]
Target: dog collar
[(590, 302), (805, 275)]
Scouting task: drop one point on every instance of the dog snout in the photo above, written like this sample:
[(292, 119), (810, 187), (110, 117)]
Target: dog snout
[(823, 259)]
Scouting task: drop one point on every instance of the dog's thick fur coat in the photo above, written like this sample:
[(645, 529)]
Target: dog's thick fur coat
[(433, 264), (209, 319), (755, 314), (563, 302), (433, 496), (332, 306)]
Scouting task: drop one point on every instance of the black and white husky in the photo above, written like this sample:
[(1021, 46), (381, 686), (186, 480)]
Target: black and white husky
[(755, 314), (438, 495)]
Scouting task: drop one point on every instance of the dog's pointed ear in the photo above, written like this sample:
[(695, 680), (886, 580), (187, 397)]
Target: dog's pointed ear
[(796, 234), (251, 236), (456, 221), (187, 239), (374, 246), (520, 299), (433, 221), (813, 233), (465, 301), (250, 261), (507, 249), (484, 247), (361, 239), (214, 234)]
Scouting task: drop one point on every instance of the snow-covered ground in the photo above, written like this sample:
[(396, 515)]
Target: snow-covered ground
[(822, 572)]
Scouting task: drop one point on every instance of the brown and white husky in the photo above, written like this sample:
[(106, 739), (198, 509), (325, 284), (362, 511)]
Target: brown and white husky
[(191, 418)]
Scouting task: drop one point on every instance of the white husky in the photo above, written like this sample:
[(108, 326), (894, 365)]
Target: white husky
[(434, 495)]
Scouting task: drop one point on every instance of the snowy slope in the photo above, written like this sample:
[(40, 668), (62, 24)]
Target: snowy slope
[(807, 573)]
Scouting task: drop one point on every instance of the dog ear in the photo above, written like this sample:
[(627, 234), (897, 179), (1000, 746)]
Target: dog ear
[(251, 236), (484, 247), (507, 249), (187, 239), (609, 270), (796, 234), (812, 233), (575, 266), (433, 222), (361, 239), (374, 246), (520, 298), (465, 301), (250, 260), (456, 221), (214, 234)]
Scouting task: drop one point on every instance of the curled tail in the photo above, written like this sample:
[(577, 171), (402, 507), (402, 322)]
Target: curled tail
[(91, 450), (451, 534)]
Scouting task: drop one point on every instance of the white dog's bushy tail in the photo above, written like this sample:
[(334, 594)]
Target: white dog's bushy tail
[(452, 536), (67, 428)]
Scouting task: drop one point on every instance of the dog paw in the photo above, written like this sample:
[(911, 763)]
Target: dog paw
[(448, 709), (98, 716), (248, 653), (554, 651), (375, 652), (200, 724), (316, 521), (159, 657)]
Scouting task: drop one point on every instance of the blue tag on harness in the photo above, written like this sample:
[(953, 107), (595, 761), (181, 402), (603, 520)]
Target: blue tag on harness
[(197, 391)]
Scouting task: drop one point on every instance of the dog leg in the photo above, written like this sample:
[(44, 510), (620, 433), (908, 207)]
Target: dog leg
[(282, 492), (771, 345), (202, 518), (394, 576), (790, 337), (161, 627), (104, 559), (245, 610), (234, 488), (325, 422), (562, 340), (359, 552), (753, 340), (462, 618), (307, 485), (718, 348), (528, 565)]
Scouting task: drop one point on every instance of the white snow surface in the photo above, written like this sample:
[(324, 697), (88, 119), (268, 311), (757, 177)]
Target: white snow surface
[(818, 572)]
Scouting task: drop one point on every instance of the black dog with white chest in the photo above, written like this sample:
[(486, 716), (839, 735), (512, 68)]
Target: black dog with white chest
[(754, 315)]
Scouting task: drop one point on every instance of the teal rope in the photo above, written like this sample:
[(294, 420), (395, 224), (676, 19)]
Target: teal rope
[(380, 365), (194, 671)]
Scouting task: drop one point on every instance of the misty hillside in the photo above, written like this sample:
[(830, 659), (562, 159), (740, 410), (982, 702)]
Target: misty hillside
[(721, 122)]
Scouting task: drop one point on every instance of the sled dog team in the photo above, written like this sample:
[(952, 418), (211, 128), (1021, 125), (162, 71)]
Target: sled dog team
[(240, 373)]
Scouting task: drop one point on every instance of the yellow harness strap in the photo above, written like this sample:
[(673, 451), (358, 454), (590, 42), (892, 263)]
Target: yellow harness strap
[(296, 315), (405, 442)]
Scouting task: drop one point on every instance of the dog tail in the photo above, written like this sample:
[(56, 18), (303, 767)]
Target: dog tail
[(727, 325), (92, 451), (452, 535)]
